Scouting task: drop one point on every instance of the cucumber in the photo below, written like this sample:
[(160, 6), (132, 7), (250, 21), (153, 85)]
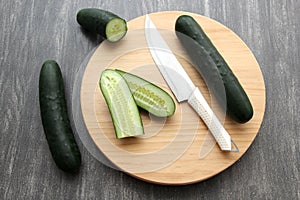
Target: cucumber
[(55, 119), (149, 96), (107, 24), (201, 51), (123, 109)]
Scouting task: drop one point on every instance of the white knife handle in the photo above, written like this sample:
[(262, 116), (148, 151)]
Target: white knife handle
[(199, 104)]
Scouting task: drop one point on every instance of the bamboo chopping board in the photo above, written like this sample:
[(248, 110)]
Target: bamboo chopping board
[(168, 153)]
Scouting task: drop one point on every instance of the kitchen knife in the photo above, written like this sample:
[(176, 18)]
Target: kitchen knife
[(182, 86)]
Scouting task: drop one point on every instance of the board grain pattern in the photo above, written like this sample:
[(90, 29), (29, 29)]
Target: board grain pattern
[(32, 31), (169, 152)]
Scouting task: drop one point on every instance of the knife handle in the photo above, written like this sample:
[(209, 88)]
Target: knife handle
[(200, 105)]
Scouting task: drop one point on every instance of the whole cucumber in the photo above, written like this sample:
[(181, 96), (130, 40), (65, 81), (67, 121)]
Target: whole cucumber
[(59, 135), (202, 52)]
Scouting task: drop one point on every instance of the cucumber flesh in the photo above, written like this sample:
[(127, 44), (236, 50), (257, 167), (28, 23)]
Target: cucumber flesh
[(115, 29), (149, 96), (123, 109)]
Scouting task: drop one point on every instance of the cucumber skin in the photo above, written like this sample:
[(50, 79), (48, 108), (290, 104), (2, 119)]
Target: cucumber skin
[(95, 20), (123, 73), (238, 106), (59, 135)]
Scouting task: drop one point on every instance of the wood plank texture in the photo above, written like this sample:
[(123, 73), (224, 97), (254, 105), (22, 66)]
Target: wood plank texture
[(32, 31)]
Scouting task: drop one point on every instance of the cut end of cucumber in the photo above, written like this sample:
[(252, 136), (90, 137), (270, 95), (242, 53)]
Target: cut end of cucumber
[(116, 29)]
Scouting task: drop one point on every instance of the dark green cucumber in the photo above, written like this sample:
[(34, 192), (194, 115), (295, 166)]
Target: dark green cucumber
[(55, 119), (123, 109), (202, 52), (149, 96), (107, 24)]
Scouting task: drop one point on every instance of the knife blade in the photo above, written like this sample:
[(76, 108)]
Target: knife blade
[(181, 85)]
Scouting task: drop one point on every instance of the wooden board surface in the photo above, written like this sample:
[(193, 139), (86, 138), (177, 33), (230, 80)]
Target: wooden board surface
[(169, 152)]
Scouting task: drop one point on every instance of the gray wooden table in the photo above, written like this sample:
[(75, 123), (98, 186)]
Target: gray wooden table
[(33, 31)]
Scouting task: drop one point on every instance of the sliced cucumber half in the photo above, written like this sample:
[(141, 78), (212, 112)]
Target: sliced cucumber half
[(149, 96), (122, 106)]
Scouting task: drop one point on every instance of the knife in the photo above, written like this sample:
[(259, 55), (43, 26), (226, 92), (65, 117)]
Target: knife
[(182, 86)]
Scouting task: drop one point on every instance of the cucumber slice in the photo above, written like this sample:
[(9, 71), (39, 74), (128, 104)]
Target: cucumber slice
[(123, 109), (149, 96), (107, 24)]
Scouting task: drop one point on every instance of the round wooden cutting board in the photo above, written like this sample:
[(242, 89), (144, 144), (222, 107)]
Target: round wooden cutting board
[(169, 152)]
